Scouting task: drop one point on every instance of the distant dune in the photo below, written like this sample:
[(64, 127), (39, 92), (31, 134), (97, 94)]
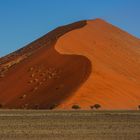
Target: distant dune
[(84, 63)]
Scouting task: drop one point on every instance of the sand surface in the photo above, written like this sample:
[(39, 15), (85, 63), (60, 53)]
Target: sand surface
[(69, 125), (84, 63)]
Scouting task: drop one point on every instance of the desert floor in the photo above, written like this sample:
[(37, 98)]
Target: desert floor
[(69, 125)]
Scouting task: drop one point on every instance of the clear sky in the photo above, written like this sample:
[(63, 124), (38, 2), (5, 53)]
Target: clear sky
[(22, 21)]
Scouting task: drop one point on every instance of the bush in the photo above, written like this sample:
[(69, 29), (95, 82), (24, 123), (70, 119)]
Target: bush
[(96, 106), (1, 105), (139, 107), (52, 106), (76, 107), (36, 106)]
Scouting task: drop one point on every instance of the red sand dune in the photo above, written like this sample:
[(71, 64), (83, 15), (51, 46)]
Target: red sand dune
[(84, 63)]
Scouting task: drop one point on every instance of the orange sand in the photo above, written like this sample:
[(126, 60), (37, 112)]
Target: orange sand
[(83, 63), (115, 57)]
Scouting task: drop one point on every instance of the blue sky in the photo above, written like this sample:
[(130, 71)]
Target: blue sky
[(22, 21)]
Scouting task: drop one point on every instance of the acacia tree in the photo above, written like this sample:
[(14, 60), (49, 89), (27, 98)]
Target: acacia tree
[(96, 106), (76, 107)]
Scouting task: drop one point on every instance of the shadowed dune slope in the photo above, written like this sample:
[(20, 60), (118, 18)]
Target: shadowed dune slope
[(40, 77), (85, 63)]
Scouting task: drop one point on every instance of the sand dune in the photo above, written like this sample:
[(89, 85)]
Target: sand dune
[(83, 63)]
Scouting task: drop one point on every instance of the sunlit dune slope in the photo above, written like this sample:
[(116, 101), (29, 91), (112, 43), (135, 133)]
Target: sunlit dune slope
[(114, 82)]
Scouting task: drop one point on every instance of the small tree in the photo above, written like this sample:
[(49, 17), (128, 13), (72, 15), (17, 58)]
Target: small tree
[(96, 106), (76, 107), (139, 107)]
